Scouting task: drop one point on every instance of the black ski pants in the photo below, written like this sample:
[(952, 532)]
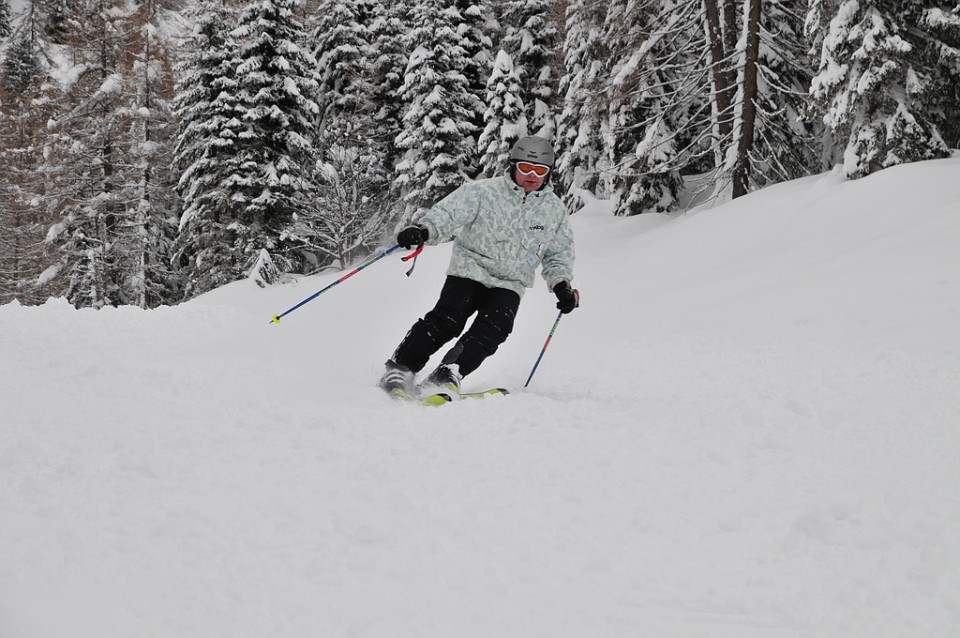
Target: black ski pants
[(460, 298)]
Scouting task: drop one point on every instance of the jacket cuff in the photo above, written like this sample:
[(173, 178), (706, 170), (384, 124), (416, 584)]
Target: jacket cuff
[(432, 235)]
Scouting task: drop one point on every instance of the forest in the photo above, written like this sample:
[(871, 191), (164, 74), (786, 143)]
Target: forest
[(153, 150)]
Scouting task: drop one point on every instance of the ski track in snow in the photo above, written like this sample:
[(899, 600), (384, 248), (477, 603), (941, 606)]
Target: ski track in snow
[(748, 430)]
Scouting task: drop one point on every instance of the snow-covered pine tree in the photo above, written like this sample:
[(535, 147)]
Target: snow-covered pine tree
[(639, 136), (56, 16), (872, 90), (683, 59), (504, 121), (275, 95), (6, 28), (207, 252), (939, 23), (343, 47), (686, 87), (22, 68), (437, 138), (474, 32), (579, 144), (785, 140), (387, 72), (532, 40), (730, 104)]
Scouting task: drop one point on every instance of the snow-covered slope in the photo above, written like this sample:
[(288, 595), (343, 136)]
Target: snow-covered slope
[(749, 429)]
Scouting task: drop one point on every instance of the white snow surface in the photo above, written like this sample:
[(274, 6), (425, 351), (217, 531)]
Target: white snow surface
[(750, 429)]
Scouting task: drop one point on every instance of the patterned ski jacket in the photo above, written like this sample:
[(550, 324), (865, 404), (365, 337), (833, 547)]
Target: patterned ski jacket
[(502, 234)]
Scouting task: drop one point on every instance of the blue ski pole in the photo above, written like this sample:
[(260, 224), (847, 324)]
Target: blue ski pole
[(413, 255), (545, 345)]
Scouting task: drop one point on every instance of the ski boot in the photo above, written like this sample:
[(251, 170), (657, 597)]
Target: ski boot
[(397, 381), (444, 379)]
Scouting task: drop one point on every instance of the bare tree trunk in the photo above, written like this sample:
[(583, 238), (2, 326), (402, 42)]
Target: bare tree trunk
[(142, 208), (741, 171), (721, 39)]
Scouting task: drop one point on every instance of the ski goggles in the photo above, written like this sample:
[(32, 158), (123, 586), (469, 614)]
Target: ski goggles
[(528, 168)]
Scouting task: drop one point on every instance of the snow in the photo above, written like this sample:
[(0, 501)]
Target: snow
[(65, 73), (748, 430), (938, 18), (47, 275)]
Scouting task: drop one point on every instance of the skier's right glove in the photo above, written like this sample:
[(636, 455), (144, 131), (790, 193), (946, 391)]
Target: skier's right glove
[(412, 236), (567, 297)]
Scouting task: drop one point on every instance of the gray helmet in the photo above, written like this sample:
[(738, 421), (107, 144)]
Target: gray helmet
[(532, 149)]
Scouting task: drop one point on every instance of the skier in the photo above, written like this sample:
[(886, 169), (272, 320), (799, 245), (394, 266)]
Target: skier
[(502, 227)]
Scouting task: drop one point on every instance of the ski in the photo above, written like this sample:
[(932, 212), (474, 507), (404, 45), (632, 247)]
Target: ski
[(442, 398), (436, 399), (481, 395), (432, 399)]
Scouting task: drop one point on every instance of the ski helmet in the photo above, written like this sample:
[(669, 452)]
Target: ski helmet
[(532, 149)]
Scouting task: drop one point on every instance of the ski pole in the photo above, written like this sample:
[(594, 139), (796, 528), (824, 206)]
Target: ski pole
[(276, 318), (545, 345)]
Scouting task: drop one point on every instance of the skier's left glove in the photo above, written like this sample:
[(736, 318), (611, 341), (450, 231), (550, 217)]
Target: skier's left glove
[(567, 297), (412, 236)]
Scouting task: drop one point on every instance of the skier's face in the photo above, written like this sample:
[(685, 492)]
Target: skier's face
[(530, 176)]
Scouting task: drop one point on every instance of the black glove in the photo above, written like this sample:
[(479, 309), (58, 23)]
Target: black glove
[(567, 297), (412, 236)]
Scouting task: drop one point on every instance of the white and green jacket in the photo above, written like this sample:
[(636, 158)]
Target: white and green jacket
[(502, 234)]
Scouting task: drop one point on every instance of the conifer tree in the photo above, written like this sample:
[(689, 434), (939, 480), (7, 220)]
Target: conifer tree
[(682, 58), (22, 67), (640, 140), (504, 121), (5, 27), (738, 80), (873, 89), (668, 88), (343, 48), (437, 138), (56, 15), (275, 95), (940, 22), (387, 73), (207, 251), (785, 145), (532, 41), (477, 46), (578, 127)]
